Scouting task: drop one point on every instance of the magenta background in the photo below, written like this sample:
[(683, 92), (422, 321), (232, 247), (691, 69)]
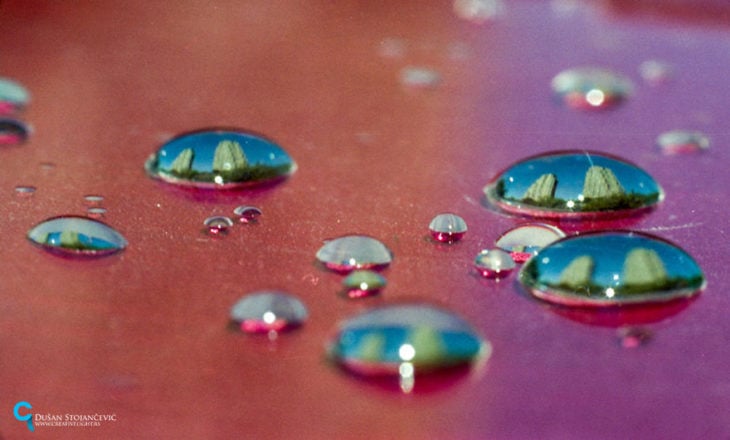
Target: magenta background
[(144, 334)]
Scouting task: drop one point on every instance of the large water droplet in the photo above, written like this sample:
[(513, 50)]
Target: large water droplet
[(13, 96), (74, 235), (268, 311), (247, 214), (362, 283), (591, 88), (494, 263), (525, 241), (220, 159), (217, 225), (13, 131), (352, 252), (574, 184), (682, 141), (404, 340), (447, 228), (612, 268)]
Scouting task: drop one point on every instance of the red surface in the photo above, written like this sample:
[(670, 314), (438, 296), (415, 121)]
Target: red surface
[(144, 334)]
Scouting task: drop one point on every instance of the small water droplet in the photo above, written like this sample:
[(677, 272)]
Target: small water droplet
[(247, 214), (655, 72), (525, 241), (682, 141), (93, 199), (268, 311), (612, 269), (47, 166), (392, 48), (406, 340), (13, 96), (420, 77), (351, 252), (362, 283), (217, 225), (24, 190), (447, 228), (13, 131), (96, 212), (633, 337), (478, 11), (574, 185), (591, 88), (494, 263), (220, 159), (74, 235)]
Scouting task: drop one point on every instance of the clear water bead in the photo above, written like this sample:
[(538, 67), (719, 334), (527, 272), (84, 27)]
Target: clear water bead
[(220, 159), (247, 214), (13, 97), (574, 185), (590, 88), (525, 241), (351, 252), (420, 77), (75, 235), (267, 311), (612, 269), (96, 212), (217, 225), (682, 142), (362, 283), (494, 263), (13, 131), (447, 228), (25, 190)]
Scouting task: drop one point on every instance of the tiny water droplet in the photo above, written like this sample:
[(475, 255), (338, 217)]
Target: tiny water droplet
[(494, 263), (267, 311), (75, 235), (447, 228), (13, 131), (220, 159), (351, 252), (682, 141), (420, 77), (525, 241), (633, 337), (416, 338), (612, 269), (13, 97), (655, 72), (574, 185), (93, 199), (47, 166), (96, 212), (362, 283), (217, 225), (392, 48), (478, 11), (591, 88), (24, 190), (247, 214)]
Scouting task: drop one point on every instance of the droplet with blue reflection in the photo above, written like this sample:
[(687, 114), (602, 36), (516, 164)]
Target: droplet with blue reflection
[(75, 235)]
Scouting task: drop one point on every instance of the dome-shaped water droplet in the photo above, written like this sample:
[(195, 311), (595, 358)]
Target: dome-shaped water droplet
[(74, 235), (682, 141), (633, 337), (93, 199), (96, 212), (494, 263), (220, 159), (447, 228), (412, 337), (573, 184), (247, 214), (267, 311), (362, 283), (612, 268), (352, 252), (525, 241), (591, 88), (420, 77), (217, 225), (13, 131), (13, 96), (25, 190)]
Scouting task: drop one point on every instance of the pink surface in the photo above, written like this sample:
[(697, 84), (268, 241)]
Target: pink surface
[(144, 334)]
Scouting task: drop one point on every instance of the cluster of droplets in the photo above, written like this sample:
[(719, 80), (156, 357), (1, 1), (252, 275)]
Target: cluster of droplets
[(220, 225)]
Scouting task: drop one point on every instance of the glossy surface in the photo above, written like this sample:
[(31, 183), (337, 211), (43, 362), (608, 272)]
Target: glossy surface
[(72, 235)]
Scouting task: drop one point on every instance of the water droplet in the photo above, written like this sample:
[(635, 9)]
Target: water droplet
[(611, 269), (268, 311), (494, 263), (47, 166), (13, 131), (93, 199), (420, 77), (405, 340), (362, 283), (591, 88), (574, 185), (352, 252), (682, 141), (25, 190), (13, 96), (633, 337), (525, 241), (478, 11), (447, 228), (74, 235), (247, 214), (96, 212), (655, 72), (392, 48), (217, 225), (220, 159)]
